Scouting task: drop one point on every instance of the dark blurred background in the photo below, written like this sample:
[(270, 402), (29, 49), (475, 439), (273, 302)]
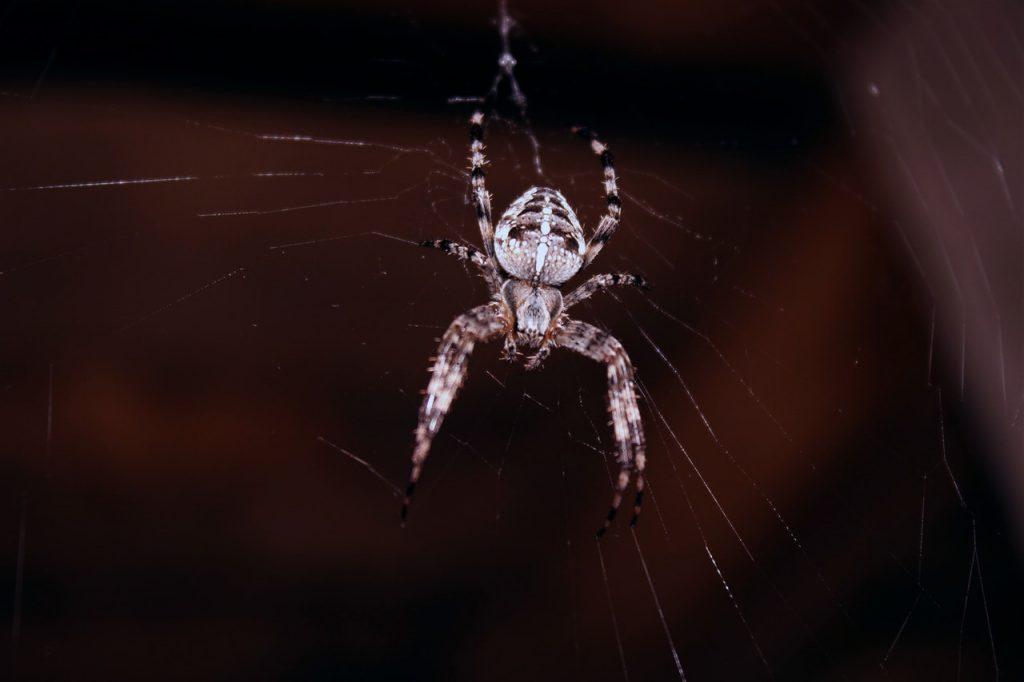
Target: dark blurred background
[(215, 331)]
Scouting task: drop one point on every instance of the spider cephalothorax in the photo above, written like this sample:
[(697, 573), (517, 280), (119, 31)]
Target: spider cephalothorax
[(537, 246)]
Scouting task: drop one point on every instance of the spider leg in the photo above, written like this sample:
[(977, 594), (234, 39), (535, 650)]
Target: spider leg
[(510, 352), (468, 253), (538, 358), (543, 350), (610, 220), (600, 283), (481, 197), (595, 344), (482, 323)]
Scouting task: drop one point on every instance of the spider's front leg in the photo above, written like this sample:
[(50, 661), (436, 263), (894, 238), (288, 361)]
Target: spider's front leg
[(482, 323), (593, 343)]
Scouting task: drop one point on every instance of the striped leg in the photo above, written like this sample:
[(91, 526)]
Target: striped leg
[(468, 253), (482, 323), (610, 220), (481, 197), (595, 344), (600, 283)]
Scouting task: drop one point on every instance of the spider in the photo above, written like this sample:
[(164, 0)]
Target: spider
[(536, 247)]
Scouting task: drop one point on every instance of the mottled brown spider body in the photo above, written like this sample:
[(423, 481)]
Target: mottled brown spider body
[(537, 246), (539, 238)]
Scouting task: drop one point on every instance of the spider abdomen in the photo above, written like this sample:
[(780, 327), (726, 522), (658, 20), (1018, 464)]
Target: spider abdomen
[(539, 238)]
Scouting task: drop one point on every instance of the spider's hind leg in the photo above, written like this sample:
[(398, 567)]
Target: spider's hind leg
[(610, 220), (478, 183)]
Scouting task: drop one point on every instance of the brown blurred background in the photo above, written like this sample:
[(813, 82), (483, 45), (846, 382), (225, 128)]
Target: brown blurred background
[(211, 346)]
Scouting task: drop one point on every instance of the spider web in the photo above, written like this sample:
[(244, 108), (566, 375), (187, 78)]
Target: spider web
[(218, 322)]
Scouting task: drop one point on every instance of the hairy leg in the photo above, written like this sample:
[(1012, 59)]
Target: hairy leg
[(468, 253), (595, 344), (610, 220), (538, 358), (600, 283), (482, 323), (477, 176)]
